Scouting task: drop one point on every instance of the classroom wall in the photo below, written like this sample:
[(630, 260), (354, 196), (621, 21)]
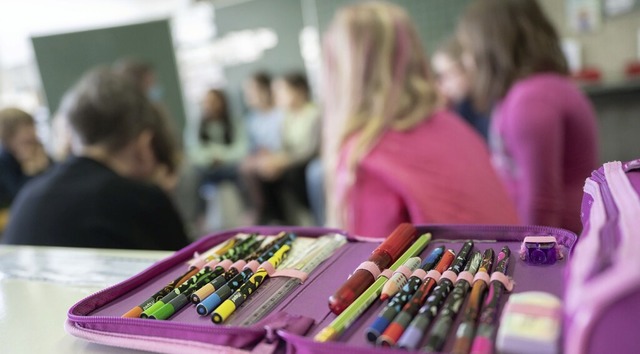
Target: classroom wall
[(610, 47), (616, 101)]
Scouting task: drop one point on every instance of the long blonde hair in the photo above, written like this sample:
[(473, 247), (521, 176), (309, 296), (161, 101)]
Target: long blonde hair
[(376, 79)]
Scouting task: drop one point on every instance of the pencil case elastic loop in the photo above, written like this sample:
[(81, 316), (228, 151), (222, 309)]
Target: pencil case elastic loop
[(199, 263), (482, 276), (387, 273), (448, 274), (291, 273), (404, 270), (466, 276), (239, 265), (268, 267), (253, 265), (371, 268), (502, 278), (434, 274), (226, 264), (420, 273)]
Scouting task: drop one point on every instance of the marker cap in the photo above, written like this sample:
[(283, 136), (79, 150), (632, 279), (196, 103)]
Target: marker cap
[(398, 241)]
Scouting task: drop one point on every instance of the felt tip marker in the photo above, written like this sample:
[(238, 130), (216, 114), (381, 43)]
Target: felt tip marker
[(403, 296), (399, 278), (382, 257), (395, 329)]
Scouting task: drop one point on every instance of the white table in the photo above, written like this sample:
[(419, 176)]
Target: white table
[(39, 284)]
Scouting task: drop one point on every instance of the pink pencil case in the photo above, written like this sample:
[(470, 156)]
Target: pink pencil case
[(293, 322)]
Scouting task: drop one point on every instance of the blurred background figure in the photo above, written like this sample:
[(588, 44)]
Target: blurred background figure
[(279, 175), (143, 75), (22, 156), (454, 84), (394, 156), (108, 194), (264, 130), (218, 149), (264, 120), (543, 133), (221, 144)]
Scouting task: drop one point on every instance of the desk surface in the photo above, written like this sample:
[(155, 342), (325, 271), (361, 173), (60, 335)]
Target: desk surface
[(39, 284)]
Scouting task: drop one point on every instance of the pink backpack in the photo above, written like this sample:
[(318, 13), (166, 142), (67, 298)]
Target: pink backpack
[(602, 297)]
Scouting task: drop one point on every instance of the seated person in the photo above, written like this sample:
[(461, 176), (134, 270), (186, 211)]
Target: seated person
[(21, 153), (455, 86), (392, 155), (264, 133), (285, 169), (220, 145), (216, 148), (104, 196)]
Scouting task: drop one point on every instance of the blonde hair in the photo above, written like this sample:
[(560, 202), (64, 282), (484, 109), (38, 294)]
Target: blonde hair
[(376, 74)]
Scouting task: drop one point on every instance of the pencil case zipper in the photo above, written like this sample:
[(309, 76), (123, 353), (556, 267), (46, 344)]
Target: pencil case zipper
[(312, 346), (610, 228)]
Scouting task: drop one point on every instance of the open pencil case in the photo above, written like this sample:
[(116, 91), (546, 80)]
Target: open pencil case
[(293, 322)]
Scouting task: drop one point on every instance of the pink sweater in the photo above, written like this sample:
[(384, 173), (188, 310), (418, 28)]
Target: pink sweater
[(544, 145), (438, 172)]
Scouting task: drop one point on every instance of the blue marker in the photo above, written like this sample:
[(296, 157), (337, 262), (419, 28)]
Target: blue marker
[(401, 298)]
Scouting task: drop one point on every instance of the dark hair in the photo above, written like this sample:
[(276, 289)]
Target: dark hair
[(203, 135), (106, 109), (133, 69), (298, 82), (163, 142), (10, 120), (509, 40), (262, 79)]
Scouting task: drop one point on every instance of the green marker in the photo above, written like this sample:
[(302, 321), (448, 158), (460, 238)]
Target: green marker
[(351, 313)]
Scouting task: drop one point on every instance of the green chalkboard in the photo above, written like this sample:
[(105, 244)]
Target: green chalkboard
[(63, 58), (435, 19)]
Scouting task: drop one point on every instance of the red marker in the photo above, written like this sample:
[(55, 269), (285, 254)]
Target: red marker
[(381, 258)]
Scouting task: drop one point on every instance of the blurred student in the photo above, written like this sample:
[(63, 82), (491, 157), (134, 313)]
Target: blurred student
[(264, 130), (22, 156), (264, 122), (166, 151), (216, 150), (279, 171), (220, 145), (543, 133), (455, 85), (107, 195), (316, 190), (393, 154), (143, 74)]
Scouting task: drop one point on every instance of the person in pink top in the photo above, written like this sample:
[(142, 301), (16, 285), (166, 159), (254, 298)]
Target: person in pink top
[(543, 135), (392, 154)]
